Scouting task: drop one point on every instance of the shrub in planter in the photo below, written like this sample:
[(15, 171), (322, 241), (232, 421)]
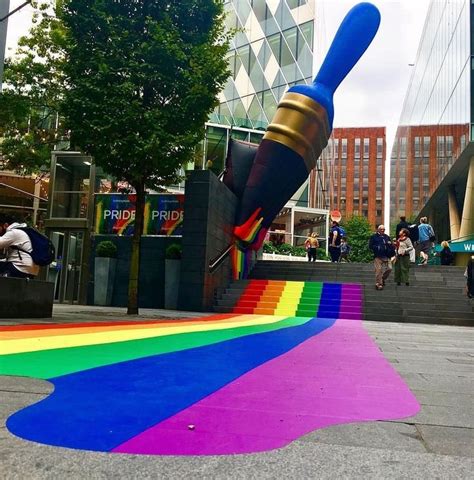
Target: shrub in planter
[(174, 252), (104, 272), (106, 249)]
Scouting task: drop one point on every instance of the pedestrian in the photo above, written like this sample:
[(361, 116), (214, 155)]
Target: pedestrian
[(403, 247), (17, 244), (469, 274), (446, 255), (335, 235), (311, 244), (383, 250), (426, 237), (345, 249), (402, 224)]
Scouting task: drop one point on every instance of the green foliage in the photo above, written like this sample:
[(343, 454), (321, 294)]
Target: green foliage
[(32, 95), (174, 251), (358, 231), (106, 249), (142, 79), (287, 249)]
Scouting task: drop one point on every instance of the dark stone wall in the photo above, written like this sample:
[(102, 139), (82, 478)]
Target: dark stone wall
[(209, 213), (152, 270), (21, 298)]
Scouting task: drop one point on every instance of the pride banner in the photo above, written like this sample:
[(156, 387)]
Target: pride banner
[(115, 214)]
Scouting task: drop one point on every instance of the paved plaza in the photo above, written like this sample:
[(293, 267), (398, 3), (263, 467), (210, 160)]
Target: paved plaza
[(435, 361)]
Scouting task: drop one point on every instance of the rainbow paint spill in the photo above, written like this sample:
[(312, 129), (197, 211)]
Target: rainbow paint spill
[(246, 383)]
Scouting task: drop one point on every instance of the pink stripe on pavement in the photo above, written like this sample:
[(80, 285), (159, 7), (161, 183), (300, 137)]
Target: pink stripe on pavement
[(339, 376)]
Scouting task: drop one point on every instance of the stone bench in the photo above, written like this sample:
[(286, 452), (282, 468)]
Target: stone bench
[(22, 298)]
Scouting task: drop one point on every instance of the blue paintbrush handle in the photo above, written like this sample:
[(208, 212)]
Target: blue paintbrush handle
[(354, 35)]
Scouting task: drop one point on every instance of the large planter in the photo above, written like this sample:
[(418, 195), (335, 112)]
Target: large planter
[(172, 274), (104, 277)]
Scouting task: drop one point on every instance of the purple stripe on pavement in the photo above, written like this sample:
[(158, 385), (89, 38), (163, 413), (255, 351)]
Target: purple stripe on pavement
[(339, 376)]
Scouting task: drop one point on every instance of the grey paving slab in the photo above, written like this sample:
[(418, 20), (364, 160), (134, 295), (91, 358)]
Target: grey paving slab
[(63, 313), (24, 384), (461, 416), (436, 367), (385, 435), (448, 440), (22, 460), (15, 401), (444, 399)]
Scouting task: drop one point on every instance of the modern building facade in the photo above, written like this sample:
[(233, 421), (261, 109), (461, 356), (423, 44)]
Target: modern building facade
[(354, 172), (274, 48), (432, 163)]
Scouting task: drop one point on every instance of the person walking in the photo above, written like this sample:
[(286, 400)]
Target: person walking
[(345, 250), (426, 237), (383, 250), (402, 264), (402, 224), (17, 244), (335, 242), (311, 244), (469, 274), (446, 256)]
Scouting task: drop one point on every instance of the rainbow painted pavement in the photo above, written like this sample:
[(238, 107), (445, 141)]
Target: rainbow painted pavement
[(224, 384)]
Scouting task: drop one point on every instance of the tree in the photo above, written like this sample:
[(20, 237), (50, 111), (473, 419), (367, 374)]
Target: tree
[(358, 231), (32, 95), (142, 77)]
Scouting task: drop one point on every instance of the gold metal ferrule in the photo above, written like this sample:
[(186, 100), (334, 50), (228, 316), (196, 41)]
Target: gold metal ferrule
[(301, 124)]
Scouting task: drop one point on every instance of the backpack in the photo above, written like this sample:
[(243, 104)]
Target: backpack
[(390, 251), (342, 232), (43, 252), (414, 234)]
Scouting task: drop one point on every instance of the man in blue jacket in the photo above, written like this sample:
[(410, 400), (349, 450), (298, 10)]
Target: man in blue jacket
[(383, 251)]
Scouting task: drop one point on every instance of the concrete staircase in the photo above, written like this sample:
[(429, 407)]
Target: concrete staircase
[(435, 295)]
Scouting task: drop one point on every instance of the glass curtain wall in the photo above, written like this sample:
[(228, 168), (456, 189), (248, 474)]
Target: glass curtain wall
[(435, 123), (272, 50)]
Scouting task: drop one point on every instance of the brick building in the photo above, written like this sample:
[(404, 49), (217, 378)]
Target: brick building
[(354, 171), (421, 157)]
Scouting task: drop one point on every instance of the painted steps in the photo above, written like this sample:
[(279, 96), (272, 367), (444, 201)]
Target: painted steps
[(298, 299)]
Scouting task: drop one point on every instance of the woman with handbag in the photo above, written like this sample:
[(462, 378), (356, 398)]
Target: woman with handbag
[(402, 264)]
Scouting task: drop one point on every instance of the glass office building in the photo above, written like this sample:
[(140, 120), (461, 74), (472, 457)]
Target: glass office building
[(432, 173), (272, 50)]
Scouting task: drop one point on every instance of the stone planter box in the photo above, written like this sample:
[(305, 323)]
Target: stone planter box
[(104, 277), (172, 274)]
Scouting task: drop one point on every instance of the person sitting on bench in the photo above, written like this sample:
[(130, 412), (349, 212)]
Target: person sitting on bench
[(16, 242)]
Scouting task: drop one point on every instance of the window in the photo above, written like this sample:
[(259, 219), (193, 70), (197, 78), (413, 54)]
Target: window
[(366, 147), (336, 147), (440, 147), (307, 31), (449, 146), (426, 146), (357, 148), (417, 147), (379, 148), (403, 147), (344, 148)]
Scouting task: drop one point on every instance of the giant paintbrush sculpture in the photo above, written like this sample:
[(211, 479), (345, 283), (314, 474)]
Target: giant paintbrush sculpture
[(297, 135)]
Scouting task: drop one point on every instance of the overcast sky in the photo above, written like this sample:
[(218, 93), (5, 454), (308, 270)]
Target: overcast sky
[(373, 92)]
